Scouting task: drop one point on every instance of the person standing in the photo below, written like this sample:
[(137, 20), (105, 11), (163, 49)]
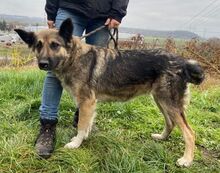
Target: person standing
[(86, 15)]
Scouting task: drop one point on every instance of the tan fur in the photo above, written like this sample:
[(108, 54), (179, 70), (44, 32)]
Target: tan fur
[(87, 112), (189, 139)]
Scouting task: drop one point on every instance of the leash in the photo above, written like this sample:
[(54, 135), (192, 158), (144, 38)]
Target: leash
[(93, 32), (114, 38), (113, 35)]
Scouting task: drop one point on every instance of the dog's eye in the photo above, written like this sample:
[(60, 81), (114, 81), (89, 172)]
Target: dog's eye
[(54, 45), (39, 45)]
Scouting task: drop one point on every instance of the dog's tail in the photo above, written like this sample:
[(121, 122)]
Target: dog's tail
[(194, 72)]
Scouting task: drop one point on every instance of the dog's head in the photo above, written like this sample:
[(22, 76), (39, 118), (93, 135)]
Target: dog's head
[(50, 45)]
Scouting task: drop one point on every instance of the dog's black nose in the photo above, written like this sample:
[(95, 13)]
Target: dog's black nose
[(43, 64)]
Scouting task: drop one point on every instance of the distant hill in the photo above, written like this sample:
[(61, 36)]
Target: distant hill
[(152, 33), (22, 19), (159, 34)]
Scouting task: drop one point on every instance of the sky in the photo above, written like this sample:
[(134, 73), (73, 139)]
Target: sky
[(199, 16)]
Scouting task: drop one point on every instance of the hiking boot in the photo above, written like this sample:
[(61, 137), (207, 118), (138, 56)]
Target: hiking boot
[(76, 118), (45, 142)]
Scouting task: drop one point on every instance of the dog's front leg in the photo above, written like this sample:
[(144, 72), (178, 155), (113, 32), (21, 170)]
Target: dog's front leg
[(86, 117)]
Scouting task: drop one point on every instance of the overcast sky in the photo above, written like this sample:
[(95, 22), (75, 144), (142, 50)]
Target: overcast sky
[(199, 16)]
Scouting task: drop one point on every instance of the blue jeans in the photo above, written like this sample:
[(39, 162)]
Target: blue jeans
[(52, 89)]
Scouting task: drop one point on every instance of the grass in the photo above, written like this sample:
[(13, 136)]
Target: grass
[(7, 51), (122, 143)]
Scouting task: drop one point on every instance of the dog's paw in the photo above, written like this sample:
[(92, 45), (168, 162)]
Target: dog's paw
[(184, 162), (75, 143), (158, 137)]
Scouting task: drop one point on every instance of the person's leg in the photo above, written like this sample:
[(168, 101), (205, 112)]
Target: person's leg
[(51, 95), (52, 91), (52, 87), (99, 38)]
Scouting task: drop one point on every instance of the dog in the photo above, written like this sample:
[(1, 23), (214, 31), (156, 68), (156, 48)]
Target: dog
[(92, 74)]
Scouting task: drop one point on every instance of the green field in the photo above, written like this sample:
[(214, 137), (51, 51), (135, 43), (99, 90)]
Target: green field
[(122, 142)]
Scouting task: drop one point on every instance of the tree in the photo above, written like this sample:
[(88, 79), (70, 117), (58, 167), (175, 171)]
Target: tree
[(3, 25)]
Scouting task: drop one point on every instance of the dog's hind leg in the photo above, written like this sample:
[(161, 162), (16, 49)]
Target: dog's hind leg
[(86, 117), (189, 139), (174, 114), (169, 124)]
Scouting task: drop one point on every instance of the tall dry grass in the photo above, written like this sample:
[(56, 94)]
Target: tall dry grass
[(207, 53)]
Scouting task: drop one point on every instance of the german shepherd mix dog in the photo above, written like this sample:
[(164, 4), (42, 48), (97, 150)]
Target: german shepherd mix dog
[(91, 73)]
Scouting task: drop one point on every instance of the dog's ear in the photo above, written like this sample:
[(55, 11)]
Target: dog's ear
[(28, 37), (66, 30)]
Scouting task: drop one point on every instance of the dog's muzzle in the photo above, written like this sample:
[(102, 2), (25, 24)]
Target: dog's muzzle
[(44, 65)]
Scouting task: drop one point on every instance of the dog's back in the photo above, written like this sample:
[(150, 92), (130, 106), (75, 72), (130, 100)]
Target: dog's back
[(134, 72)]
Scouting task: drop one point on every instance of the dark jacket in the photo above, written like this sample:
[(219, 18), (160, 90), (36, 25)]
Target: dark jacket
[(92, 9)]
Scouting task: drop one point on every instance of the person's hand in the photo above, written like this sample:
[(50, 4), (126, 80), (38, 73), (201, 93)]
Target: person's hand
[(112, 23), (50, 24)]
